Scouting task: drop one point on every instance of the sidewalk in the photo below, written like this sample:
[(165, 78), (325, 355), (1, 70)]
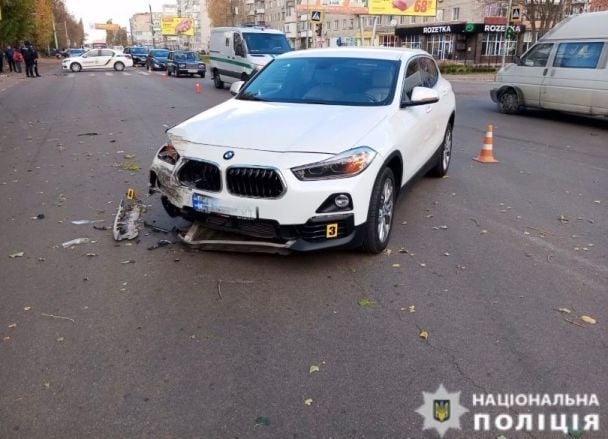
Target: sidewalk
[(46, 66)]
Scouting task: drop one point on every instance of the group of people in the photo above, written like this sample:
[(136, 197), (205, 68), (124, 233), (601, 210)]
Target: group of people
[(15, 58)]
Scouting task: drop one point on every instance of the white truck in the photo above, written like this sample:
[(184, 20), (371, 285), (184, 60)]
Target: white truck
[(237, 53), (566, 70)]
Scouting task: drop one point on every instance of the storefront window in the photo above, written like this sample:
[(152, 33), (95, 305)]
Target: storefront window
[(411, 41), (493, 45), (440, 46)]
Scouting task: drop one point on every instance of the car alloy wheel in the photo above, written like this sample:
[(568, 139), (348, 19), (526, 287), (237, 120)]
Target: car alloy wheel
[(444, 155), (75, 67), (380, 213), (119, 67)]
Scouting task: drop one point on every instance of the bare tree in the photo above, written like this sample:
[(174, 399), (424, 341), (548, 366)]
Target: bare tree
[(226, 12)]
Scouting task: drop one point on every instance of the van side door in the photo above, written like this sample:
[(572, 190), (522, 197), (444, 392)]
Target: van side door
[(573, 79)]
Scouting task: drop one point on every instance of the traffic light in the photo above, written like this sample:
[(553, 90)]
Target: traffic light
[(319, 29), (510, 33)]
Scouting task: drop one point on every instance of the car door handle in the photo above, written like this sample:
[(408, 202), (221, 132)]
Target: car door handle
[(429, 108), (545, 71)]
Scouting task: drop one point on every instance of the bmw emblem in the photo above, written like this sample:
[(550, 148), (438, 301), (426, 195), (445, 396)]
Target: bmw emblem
[(228, 155)]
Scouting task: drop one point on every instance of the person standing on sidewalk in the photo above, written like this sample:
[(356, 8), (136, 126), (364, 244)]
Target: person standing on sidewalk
[(35, 52), (9, 58), (28, 57), (1, 61), (18, 59)]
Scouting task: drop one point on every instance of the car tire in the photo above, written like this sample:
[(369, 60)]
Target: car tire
[(168, 72), (75, 67), (217, 81), (119, 67), (444, 155), (191, 75), (380, 214), (202, 75), (508, 102)]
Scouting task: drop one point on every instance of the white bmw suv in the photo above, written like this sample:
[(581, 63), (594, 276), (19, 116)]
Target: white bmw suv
[(312, 152)]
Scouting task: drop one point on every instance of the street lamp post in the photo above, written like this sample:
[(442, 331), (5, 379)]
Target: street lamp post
[(307, 23)]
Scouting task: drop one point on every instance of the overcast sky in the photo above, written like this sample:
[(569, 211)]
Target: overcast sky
[(119, 11)]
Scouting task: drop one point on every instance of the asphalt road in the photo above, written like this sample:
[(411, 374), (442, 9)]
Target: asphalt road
[(111, 339)]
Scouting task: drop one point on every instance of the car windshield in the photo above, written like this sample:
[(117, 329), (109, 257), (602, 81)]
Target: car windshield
[(186, 56), (159, 53), (139, 50), (266, 43), (323, 80)]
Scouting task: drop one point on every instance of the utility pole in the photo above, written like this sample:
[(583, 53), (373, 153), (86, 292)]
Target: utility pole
[(307, 23), (152, 26), (506, 42)]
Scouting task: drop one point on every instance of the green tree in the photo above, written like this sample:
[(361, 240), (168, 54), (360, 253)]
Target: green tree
[(17, 21), (42, 31)]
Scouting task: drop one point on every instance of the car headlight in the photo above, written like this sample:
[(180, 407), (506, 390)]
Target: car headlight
[(346, 164), (201, 66), (168, 154), (182, 66)]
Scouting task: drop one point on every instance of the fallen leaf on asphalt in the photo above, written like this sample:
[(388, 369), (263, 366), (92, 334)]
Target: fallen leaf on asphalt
[(563, 219), (16, 255), (597, 201), (396, 265), (91, 255), (388, 252), (60, 340), (565, 310), (483, 232), (129, 156), (422, 264), (262, 420), (27, 308), (365, 302), (446, 254), (130, 166), (588, 319), (6, 339), (47, 385), (12, 325), (313, 368), (501, 436), (308, 401), (424, 335), (412, 308)]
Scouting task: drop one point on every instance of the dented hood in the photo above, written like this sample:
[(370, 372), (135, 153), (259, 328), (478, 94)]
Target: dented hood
[(280, 127)]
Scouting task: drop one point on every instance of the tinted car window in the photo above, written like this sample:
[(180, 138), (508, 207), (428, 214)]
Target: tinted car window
[(106, 52), (159, 53), (579, 55)]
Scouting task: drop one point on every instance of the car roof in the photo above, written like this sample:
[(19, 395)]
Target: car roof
[(389, 53)]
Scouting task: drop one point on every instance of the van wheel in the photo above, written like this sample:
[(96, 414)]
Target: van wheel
[(508, 102), (217, 81)]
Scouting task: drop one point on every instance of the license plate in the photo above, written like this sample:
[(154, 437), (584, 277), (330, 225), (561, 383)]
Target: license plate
[(331, 230), (204, 204), (192, 70)]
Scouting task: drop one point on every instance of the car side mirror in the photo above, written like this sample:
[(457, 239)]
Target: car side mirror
[(421, 96), (235, 88), (84, 56)]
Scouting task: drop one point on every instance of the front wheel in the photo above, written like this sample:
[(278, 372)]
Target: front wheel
[(508, 102), (168, 72), (75, 67), (380, 213), (217, 81), (202, 75), (444, 155)]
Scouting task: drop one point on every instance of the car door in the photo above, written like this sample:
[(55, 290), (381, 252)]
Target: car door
[(528, 75), (413, 125), (104, 60), (572, 80), (89, 59)]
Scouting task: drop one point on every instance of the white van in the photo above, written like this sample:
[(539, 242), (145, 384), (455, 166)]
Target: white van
[(236, 53), (566, 70)]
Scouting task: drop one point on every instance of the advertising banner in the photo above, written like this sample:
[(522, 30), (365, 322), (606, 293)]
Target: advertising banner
[(424, 8), (177, 26)]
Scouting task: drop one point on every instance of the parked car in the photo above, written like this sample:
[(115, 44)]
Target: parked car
[(69, 53), (138, 53), (157, 59), (98, 59), (313, 151), (185, 62)]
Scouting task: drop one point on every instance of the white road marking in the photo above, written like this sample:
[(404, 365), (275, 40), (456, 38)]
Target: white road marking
[(109, 74)]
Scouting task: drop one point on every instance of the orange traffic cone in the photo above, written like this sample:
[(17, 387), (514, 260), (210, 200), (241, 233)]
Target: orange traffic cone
[(485, 155), (197, 87)]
